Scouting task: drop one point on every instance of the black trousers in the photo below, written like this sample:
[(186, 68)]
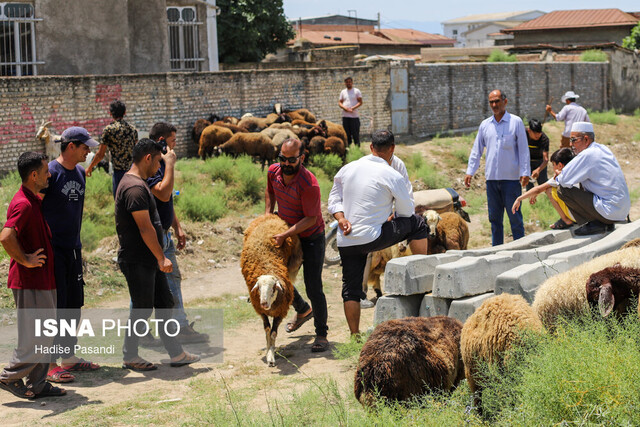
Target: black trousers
[(313, 259), (351, 126), (148, 289), (70, 291), (354, 258)]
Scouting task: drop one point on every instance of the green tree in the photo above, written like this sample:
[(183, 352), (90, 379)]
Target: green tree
[(250, 29), (632, 41)]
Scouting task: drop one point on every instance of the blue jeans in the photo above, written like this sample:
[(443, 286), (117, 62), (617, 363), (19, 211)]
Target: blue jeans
[(174, 279), (501, 194)]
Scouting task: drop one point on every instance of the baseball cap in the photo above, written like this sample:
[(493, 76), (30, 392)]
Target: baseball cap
[(78, 134)]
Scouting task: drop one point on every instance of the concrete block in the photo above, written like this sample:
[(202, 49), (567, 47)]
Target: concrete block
[(413, 274), (533, 240), (434, 306), (526, 279), (396, 307), (462, 308), (470, 276)]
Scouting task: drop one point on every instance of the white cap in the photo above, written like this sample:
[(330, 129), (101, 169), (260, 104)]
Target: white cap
[(569, 94), (582, 127)]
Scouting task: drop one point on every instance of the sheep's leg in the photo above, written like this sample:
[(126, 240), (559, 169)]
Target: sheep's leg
[(271, 351), (267, 332)]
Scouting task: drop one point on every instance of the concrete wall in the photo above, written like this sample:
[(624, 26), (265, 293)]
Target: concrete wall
[(573, 37), (454, 96), (179, 98), (625, 80)]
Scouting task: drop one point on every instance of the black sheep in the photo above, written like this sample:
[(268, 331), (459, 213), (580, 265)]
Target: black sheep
[(612, 288)]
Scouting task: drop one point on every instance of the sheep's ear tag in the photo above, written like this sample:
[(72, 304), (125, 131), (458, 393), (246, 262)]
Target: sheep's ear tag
[(606, 300)]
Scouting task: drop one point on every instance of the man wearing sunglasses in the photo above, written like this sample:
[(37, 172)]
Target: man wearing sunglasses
[(297, 193), (592, 184)]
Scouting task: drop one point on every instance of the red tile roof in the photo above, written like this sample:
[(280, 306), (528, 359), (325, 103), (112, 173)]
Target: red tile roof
[(405, 35), (346, 37), (561, 19)]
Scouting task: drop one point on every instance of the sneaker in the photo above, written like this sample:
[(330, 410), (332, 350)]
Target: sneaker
[(189, 335), (365, 303)]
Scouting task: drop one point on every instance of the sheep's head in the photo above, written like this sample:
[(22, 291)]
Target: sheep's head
[(432, 218), (43, 133), (610, 288), (318, 131), (268, 287)]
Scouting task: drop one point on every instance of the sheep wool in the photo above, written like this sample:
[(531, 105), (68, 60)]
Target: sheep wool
[(212, 136), (379, 261), (452, 231), (409, 357), (565, 293), (491, 330)]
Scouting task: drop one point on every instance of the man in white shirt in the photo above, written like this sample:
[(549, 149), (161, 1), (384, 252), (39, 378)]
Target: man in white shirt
[(592, 184), (570, 114), (350, 100), (362, 200)]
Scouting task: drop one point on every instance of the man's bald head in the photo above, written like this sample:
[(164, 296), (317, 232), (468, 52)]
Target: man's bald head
[(292, 147)]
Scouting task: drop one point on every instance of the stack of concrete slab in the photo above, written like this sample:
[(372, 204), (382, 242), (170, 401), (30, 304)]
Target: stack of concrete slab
[(457, 282)]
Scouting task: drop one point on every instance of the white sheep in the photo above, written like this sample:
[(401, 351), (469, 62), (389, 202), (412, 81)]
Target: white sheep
[(50, 140)]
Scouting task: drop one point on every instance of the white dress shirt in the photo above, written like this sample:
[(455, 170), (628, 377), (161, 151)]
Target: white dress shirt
[(398, 165), (571, 113), (598, 171), (365, 191)]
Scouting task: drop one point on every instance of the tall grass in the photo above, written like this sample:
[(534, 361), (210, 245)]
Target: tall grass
[(603, 117), (329, 163), (354, 153), (594, 55), (498, 55)]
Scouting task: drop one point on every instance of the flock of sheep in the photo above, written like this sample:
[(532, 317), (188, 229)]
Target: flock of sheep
[(409, 357), (262, 137)]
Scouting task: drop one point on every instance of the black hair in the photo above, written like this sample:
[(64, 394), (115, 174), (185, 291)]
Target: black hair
[(563, 155), (117, 109), (347, 78), (298, 141), (382, 139), (28, 162), (146, 146), (571, 99), (161, 130), (535, 125)]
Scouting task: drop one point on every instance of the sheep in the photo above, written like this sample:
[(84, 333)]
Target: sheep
[(253, 124), (446, 231), (278, 136), (302, 114), (277, 118), (197, 129), (302, 123), (334, 145), (269, 273), (309, 133), (316, 145), (565, 293), (409, 357), (379, 261), (233, 128), (50, 140), (491, 330), (613, 288), (212, 136), (283, 125), (334, 129), (253, 144)]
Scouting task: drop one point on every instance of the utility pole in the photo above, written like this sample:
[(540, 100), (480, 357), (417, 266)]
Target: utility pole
[(355, 12), (212, 34), (378, 21)]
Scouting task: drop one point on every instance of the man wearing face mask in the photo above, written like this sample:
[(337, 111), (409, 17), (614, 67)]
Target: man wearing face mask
[(298, 195)]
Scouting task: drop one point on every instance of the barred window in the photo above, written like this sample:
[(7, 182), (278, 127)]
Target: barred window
[(184, 41), (18, 40)]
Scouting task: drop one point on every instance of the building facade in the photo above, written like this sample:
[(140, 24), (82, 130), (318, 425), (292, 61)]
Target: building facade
[(474, 30)]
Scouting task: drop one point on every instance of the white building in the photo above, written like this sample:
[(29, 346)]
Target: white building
[(474, 30)]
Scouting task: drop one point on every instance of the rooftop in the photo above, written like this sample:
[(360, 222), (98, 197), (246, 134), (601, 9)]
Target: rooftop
[(502, 16), (577, 19)]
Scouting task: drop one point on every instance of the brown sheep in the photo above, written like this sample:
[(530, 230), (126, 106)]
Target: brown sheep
[(269, 273), (334, 129), (335, 145), (212, 136), (197, 129), (309, 133), (302, 123), (613, 288), (231, 120), (316, 145), (231, 127), (491, 330), (254, 124), (302, 114), (446, 231), (379, 261), (283, 125), (252, 144), (409, 357)]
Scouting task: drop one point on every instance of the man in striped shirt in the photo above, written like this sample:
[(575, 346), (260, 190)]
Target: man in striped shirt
[(297, 193)]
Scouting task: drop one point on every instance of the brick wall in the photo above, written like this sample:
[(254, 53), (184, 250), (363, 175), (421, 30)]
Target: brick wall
[(454, 96)]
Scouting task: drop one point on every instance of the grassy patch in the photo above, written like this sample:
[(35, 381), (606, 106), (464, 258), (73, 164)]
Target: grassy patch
[(419, 168), (594, 55), (350, 350), (498, 55), (354, 153), (236, 309), (329, 163), (604, 117)]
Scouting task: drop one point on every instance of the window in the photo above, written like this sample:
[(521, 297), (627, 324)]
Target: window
[(184, 41), (455, 32), (17, 40)]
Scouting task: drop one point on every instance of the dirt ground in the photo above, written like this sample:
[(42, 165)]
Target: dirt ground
[(210, 268)]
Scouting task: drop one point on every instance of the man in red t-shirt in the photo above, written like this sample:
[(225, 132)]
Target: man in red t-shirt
[(298, 195), (26, 238)]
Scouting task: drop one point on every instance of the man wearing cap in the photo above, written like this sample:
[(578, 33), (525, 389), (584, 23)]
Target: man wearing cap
[(570, 114), (350, 100), (62, 208), (538, 143), (507, 166), (592, 185)]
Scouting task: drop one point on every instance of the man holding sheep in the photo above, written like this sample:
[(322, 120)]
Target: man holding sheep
[(507, 165), (362, 200), (592, 184), (297, 193)]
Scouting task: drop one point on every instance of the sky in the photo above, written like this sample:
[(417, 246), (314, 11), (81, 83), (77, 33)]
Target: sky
[(425, 15)]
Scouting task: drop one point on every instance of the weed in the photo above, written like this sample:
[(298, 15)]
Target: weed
[(354, 153), (329, 163), (498, 55), (603, 117), (594, 55)]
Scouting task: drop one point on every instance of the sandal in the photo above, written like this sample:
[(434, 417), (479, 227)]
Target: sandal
[(18, 389), (299, 321), (50, 390), (60, 375), (560, 225), (319, 345), (82, 365), (140, 365), (186, 359)]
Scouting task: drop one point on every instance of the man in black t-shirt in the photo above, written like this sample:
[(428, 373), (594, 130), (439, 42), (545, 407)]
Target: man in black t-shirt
[(538, 152), (141, 258)]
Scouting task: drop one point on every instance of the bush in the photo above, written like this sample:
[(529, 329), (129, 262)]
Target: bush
[(594, 55), (632, 41), (251, 181), (603, 117), (354, 153), (198, 203), (498, 55), (329, 163), (432, 178)]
